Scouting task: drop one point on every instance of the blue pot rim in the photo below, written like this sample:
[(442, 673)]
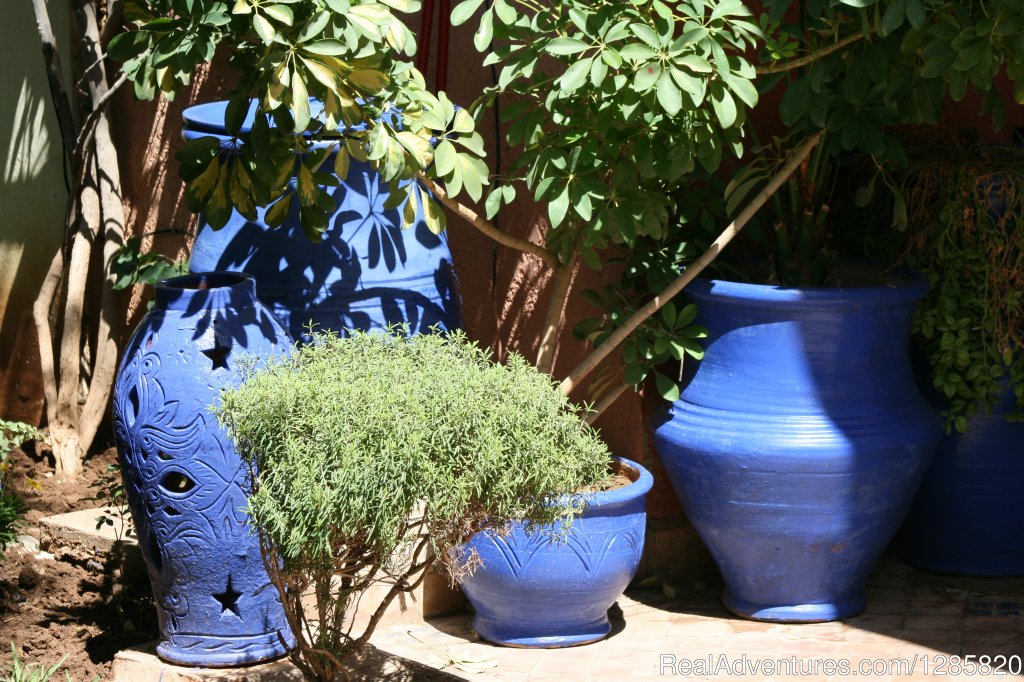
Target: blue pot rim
[(638, 488), (202, 289), (914, 286), (208, 119)]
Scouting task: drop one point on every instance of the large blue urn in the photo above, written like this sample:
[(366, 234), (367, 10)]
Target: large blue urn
[(367, 272), (798, 441), (186, 485), (532, 592), (968, 516)]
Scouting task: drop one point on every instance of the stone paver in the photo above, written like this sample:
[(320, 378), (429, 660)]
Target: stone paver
[(914, 624)]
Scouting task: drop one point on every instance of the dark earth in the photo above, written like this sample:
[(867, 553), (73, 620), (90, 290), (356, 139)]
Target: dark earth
[(77, 607)]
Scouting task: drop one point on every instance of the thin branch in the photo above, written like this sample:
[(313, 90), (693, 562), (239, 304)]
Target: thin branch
[(480, 223), (55, 76), (606, 401), (556, 309), (636, 319), (782, 67), (88, 126)]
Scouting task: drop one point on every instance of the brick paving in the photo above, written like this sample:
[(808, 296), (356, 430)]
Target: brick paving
[(914, 624)]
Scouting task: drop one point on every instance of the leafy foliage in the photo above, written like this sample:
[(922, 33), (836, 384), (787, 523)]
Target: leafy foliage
[(966, 232), (321, 81), (131, 266), (615, 103), (855, 69), (671, 336), (373, 449), (12, 435)]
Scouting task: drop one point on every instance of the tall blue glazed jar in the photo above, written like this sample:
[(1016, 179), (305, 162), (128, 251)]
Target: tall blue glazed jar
[(367, 273), (968, 516), (185, 483), (531, 592), (798, 441)]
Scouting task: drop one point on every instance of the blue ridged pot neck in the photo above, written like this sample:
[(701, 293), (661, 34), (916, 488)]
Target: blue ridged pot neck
[(905, 286), (206, 290)]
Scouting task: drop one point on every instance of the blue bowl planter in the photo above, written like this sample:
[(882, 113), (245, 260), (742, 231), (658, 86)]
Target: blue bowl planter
[(799, 440), (532, 592), (184, 481), (366, 274), (968, 516)]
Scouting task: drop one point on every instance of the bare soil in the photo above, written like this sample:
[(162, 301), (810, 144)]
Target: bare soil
[(81, 609)]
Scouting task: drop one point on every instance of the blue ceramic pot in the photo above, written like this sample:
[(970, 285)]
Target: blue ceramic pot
[(366, 274), (535, 593), (184, 481), (968, 516), (799, 440)]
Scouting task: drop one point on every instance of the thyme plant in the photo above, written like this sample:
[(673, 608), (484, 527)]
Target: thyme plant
[(374, 456)]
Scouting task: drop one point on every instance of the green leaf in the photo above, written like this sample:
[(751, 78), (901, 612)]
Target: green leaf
[(647, 76), (565, 46), (574, 76), (724, 106), (300, 102), (432, 213), (464, 10), (484, 32), (916, 13), (418, 147), (667, 388), (277, 212), (264, 29), (695, 63), (669, 96), (558, 207), (444, 158), (282, 13), (463, 123), (646, 34), (636, 52), (341, 163), (894, 16), (325, 47)]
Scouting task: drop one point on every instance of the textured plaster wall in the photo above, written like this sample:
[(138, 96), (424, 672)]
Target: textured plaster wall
[(32, 201)]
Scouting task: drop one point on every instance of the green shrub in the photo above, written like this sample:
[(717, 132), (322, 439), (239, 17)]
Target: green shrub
[(12, 435), (376, 453)]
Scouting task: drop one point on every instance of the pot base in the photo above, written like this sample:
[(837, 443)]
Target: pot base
[(498, 633), (797, 613), (223, 652)]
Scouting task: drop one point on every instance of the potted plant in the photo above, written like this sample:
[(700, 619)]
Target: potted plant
[(964, 231), (800, 437), (374, 457)]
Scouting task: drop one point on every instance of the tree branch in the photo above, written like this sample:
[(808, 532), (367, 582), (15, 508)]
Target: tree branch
[(556, 309), (606, 401), (477, 221), (782, 67), (636, 319), (55, 76)]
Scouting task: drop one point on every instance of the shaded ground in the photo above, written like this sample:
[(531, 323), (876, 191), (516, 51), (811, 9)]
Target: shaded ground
[(50, 608)]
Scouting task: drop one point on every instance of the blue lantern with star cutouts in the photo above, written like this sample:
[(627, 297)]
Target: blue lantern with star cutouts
[(185, 483)]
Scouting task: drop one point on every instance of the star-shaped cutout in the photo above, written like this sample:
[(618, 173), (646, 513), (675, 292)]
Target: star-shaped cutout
[(228, 598), (218, 354)]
